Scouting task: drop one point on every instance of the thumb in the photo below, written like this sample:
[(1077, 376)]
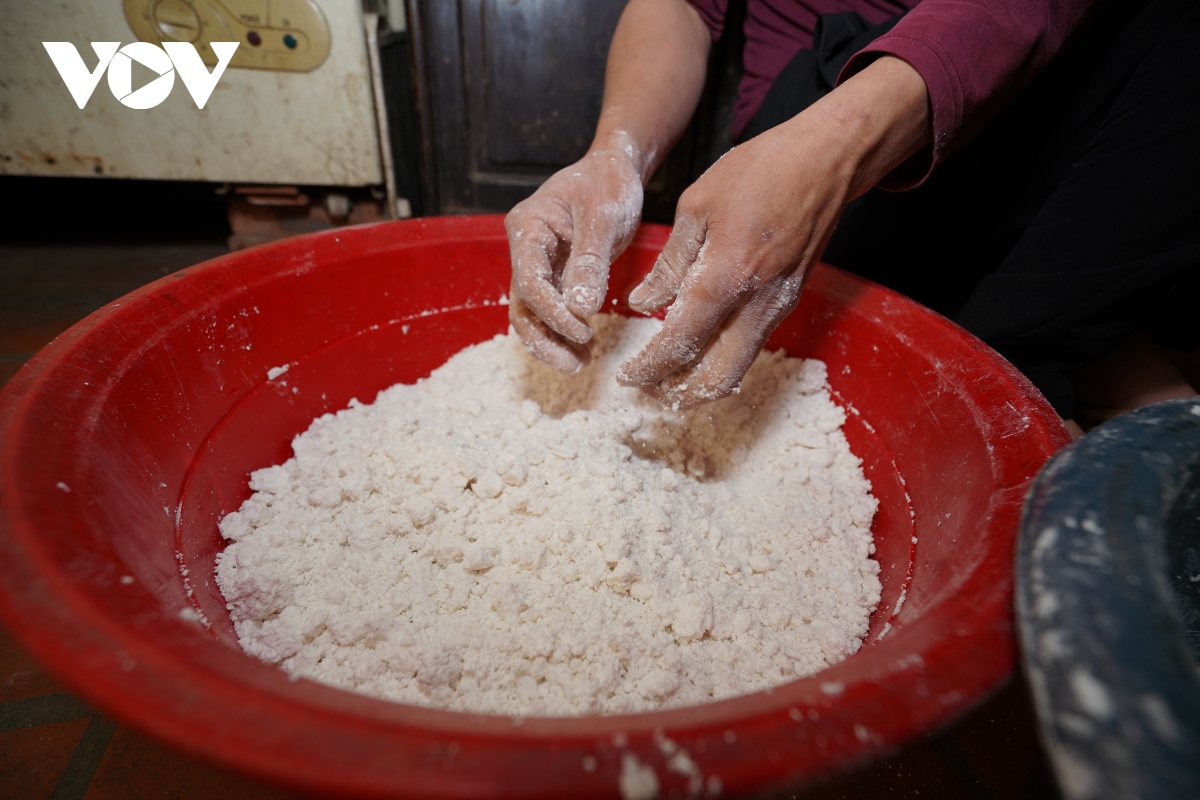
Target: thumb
[(585, 281), (585, 276), (662, 284)]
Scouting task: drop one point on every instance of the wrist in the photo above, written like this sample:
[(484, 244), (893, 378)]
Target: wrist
[(615, 140), (876, 120)]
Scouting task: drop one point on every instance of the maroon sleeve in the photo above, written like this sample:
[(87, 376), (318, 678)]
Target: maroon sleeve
[(976, 56), (713, 14)]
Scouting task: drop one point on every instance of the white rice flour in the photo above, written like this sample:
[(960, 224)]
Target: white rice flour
[(503, 538)]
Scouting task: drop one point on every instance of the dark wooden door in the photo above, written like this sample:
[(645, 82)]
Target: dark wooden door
[(509, 92)]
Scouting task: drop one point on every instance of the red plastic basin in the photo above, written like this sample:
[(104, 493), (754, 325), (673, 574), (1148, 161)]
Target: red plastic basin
[(124, 441)]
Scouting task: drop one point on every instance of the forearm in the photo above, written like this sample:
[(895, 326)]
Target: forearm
[(868, 126), (976, 58), (655, 74)]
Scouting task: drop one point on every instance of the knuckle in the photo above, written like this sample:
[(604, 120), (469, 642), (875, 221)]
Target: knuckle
[(784, 294), (752, 284), (587, 262), (778, 305), (691, 202), (684, 351), (517, 217), (558, 210)]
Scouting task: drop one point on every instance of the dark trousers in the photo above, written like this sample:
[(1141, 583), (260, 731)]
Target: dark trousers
[(1072, 221)]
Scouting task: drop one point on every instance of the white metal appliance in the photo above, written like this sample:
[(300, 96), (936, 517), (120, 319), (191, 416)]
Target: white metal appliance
[(297, 106)]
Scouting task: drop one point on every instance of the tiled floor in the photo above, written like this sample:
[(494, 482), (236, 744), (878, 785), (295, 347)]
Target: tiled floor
[(53, 746)]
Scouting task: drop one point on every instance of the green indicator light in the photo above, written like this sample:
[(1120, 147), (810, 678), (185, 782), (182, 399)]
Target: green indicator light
[(289, 41)]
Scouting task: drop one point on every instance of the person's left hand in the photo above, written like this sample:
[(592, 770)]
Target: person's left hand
[(748, 231), (745, 236)]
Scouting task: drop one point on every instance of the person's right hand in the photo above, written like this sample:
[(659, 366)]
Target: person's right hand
[(563, 239)]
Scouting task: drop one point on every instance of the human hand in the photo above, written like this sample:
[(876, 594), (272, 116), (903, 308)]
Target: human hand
[(745, 235), (563, 239), (747, 232)]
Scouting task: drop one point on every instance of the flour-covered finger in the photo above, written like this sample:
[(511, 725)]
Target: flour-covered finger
[(721, 367), (702, 306), (544, 344), (681, 252), (600, 233), (585, 282), (533, 247)]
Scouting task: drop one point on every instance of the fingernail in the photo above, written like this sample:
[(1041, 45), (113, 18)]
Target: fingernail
[(640, 294)]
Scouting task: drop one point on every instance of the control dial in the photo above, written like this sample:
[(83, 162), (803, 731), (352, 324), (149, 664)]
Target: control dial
[(176, 20)]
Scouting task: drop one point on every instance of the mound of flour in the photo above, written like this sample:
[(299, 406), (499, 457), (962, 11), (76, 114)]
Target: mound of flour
[(503, 538)]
